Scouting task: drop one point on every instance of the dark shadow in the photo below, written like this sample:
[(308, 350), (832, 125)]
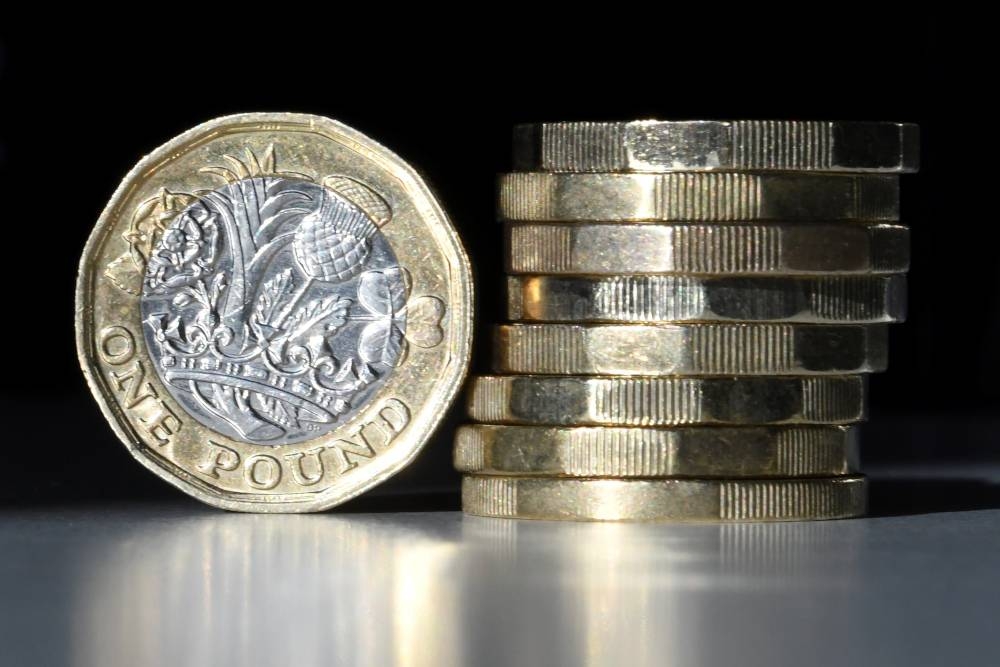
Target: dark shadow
[(404, 502), (899, 497)]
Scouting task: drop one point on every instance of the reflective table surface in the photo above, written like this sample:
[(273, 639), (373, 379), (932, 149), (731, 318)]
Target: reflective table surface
[(176, 584)]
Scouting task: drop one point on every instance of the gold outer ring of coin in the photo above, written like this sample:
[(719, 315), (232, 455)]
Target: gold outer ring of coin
[(659, 298), (552, 400), (562, 499), (717, 249), (706, 145), (697, 197), (386, 430), (619, 452), (690, 349)]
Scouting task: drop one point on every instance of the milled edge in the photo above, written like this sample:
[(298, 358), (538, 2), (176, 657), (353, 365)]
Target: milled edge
[(744, 349), (792, 499), (738, 501), (667, 401), (637, 452), (666, 298), (695, 197), (615, 146), (722, 249)]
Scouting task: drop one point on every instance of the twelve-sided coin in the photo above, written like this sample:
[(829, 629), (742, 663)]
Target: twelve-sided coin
[(273, 312)]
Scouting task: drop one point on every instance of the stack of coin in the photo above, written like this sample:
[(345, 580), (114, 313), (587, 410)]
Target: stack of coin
[(694, 307)]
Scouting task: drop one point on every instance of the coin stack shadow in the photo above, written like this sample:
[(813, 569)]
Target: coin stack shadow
[(694, 306)]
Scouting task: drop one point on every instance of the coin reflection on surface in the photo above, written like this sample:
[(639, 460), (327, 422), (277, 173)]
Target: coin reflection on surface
[(150, 585), (634, 594), (220, 590), (383, 589)]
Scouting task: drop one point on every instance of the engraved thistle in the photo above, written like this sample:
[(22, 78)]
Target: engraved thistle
[(273, 304)]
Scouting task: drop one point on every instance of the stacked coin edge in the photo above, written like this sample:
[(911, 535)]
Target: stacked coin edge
[(693, 308)]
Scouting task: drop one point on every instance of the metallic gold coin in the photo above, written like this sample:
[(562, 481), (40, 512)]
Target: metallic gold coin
[(698, 451), (273, 312), (717, 249), (690, 349), (697, 197), (708, 145), (619, 401), (658, 298), (563, 499)]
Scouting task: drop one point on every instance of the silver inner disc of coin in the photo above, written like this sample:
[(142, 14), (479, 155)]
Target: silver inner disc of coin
[(274, 308)]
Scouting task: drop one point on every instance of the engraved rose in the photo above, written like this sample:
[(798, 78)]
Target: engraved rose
[(151, 219), (186, 252)]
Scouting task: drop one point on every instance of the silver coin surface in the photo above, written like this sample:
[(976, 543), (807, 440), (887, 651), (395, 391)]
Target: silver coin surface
[(266, 303)]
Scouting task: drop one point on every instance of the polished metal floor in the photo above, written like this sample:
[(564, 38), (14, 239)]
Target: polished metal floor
[(180, 585)]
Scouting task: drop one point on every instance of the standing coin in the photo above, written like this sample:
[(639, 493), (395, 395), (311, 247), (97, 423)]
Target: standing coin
[(697, 197), (664, 499), (666, 298), (690, 349), (708, 145), (273, 312)]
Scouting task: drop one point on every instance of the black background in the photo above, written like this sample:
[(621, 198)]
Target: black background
[(78, 109)]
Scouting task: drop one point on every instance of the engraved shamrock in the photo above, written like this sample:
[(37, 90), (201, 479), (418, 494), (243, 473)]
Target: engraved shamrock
[(385, 294)]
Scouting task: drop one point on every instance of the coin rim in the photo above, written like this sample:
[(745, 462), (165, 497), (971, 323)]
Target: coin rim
[(557, 440), (892, 288), (613, 487), (528, 155), (446, 387), (582, 416), (511, 340), (636, 197), (575, 254)]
